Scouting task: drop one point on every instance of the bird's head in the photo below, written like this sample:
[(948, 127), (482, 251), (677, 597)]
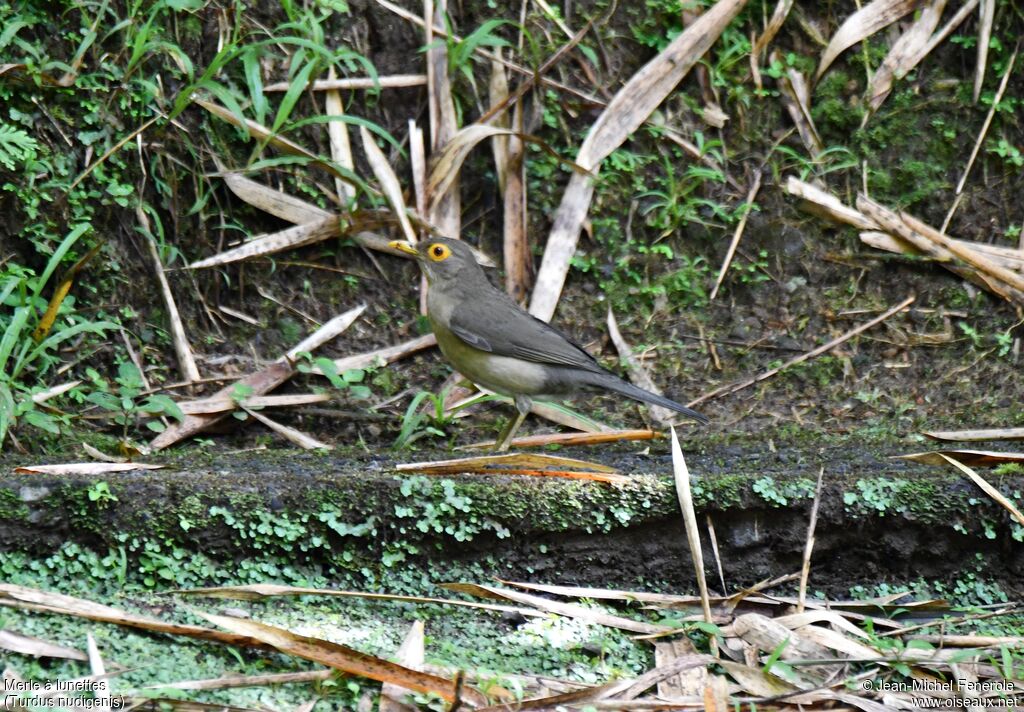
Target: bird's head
[(442, 259)]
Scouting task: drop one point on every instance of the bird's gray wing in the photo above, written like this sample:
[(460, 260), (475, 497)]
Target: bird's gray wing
[(502, 327)]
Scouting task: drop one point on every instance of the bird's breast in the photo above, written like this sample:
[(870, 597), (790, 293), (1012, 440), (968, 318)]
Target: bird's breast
[(502, 374)]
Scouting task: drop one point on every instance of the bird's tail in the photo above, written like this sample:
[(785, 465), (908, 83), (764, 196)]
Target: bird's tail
[(613, 383)]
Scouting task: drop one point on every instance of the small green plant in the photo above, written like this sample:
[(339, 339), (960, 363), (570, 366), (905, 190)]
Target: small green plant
[(100, 493), (417, 424), (30, 333), (125, 401)]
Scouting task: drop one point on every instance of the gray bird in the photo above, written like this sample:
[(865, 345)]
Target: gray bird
[(498, 345)]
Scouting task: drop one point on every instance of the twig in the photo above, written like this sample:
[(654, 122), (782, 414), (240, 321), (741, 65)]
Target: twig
[(981, 136), (749, 204), (805, 570), (395, 81), (733, 387)]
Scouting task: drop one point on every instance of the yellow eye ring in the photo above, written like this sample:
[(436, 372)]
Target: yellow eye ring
[(438, 252)]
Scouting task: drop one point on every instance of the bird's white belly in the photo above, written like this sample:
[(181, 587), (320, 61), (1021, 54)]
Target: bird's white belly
[(502, 374)]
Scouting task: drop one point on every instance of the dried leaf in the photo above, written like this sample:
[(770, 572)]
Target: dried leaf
[(36, 647), (296, 437), (905, 54), (860, 25), (518, 464), (971, 435), (287, 239), (388, 182), (569, 610), (988, 489), (275, 202), (57, 603), (341, 657), (630, 107), (988, 14), (569, 439), (682, 479), (260, 591), (85, 468), (411, 655), (967, 457)]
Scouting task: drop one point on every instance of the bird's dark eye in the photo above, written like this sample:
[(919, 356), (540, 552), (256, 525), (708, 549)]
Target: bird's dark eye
[(438, 252)]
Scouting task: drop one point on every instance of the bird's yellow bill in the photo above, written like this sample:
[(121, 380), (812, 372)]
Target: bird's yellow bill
[(403, 246)]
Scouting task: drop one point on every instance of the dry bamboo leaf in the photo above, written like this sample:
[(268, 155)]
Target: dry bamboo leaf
[(779, 15), (767, 635), (182, 348), (682, 479), (257, 384), (904, 55), (838, 642), (445, 212), (232, 681), (287, 239), (388, 182), (631, 689), (342, 658), (392, 81), (827, 204), (497, 93), (755, 681), (221, 405), (36, 647), (296, 437), (833, 618), (988, 489), (85, 468), (860, 25), (569, 439), (43, 396), (260, 591), (410, 654), (96, 454), (335, 327), (513, 460), (418, 165), (609, 594), (275, 202), (796, 97), (688, 683), (659, 415), (917, 233), (447, 163), (337, 133), (262, 133), (518, 259), (967, 457), (101, 687), (973, 435), (569, 610), (630, 107), (971, 641), (534, 465), (57, 603), (988, 14), (384, 356), (1004, 256), (556, 702)]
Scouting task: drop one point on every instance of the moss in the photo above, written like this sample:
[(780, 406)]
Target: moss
[(12, 507)]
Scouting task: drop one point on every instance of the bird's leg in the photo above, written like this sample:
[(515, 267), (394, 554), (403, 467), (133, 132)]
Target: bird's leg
[(523, 405)]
